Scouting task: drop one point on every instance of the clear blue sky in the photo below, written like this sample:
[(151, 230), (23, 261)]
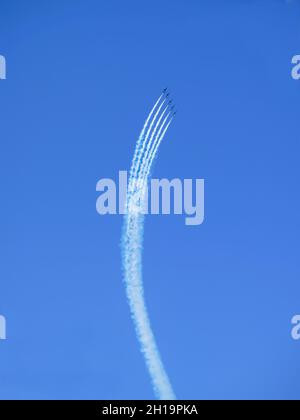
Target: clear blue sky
[(81, 76)]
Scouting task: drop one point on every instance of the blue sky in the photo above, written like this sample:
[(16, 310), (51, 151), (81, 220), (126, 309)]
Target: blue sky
[(81, 77)]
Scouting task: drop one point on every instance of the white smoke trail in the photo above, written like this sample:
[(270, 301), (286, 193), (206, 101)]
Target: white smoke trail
[(150, 142), (141, 147), (132, 264), (141, 137), (148, 170), (154, 148)]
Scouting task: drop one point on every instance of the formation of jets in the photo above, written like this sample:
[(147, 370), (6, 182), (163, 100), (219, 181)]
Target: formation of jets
[(167, 94)]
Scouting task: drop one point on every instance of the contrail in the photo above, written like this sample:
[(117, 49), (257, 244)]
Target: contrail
[(132, 244), (154, 148), (150, 142), (142, 135), (140, 148)]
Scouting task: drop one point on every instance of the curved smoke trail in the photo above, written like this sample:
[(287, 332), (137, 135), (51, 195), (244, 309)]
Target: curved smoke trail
[(150, 142), (133, 243), (141, 138), (154, 147), (140, 147)]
